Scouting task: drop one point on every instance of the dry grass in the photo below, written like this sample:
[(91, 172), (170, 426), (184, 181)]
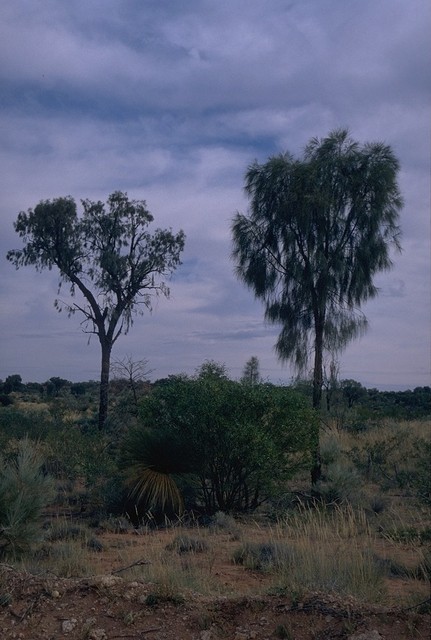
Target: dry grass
[(332, 550)]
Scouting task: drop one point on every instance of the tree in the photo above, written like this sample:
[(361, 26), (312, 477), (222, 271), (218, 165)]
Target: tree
[(55, 385), (12, 383), (318, 230), (251, 373), (134, 372), (352, 391), (107, 256)]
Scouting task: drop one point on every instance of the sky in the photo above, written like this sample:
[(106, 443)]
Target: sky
[(171, 102)]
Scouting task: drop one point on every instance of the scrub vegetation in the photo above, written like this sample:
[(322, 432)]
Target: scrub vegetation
[(199, 487)]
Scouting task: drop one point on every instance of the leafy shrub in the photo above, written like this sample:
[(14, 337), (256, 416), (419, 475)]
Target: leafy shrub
[(24, 492), (234, 445)]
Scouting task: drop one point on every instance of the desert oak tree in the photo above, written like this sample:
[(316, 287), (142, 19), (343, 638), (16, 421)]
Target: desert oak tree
[(108, 256), (318, 230)]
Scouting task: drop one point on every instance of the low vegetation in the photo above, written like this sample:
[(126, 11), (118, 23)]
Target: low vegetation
[(213, 475)]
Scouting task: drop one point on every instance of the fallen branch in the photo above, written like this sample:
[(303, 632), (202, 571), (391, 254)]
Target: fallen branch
[(134, 564)]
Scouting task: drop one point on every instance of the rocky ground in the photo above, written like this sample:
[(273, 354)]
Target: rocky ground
[(108, 607)]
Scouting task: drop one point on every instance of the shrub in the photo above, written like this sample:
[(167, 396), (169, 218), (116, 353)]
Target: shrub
[(340, 480), (263, 556), (234, 445), (24, 492), (185, 544), (224, 522)]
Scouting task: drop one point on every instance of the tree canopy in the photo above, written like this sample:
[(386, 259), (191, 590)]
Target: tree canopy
[(318, 230), (107, 255)]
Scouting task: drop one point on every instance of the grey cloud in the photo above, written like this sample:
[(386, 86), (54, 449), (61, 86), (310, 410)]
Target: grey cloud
[(170, 102)]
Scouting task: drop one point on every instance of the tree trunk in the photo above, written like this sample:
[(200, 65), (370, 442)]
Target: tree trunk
[(316, 469), (104, 383)]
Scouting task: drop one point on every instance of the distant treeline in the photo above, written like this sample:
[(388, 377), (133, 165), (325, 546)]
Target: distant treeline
[(408, 404)]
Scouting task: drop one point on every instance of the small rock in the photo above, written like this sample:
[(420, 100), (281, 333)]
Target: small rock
[(107, 581), (68, 625), (97, 634), (367, 635)]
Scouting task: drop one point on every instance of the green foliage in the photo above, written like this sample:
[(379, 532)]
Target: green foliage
[(395, 457), (85, 457), (410, 534), (16, 423), (282, 631), (399, 405), (352, 391), (12, 383), (340, 481), (55, 385), (233, 444), (24, 492), (318, 231)]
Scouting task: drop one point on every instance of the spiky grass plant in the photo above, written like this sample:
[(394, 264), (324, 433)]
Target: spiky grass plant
[(345, 568), (151, 462), (157, 489), (24, 492)]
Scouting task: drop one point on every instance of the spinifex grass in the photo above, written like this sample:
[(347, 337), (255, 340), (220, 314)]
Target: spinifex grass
[(65, 559), (182, 565), (330, 551)]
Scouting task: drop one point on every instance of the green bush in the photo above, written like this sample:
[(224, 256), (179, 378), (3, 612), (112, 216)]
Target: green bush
[(24, 492), (233, 445), (16, 423)]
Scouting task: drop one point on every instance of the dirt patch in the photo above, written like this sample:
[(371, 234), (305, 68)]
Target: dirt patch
[(108, 607), (141, 585)]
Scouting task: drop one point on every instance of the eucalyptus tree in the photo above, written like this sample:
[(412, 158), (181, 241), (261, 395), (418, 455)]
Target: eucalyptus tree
[(318, 230), (107, 257)]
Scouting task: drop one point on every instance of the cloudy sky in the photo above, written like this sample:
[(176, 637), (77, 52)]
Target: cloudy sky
[(170, 101)]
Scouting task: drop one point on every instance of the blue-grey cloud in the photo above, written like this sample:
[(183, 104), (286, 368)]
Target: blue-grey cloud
[(170, 102)]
